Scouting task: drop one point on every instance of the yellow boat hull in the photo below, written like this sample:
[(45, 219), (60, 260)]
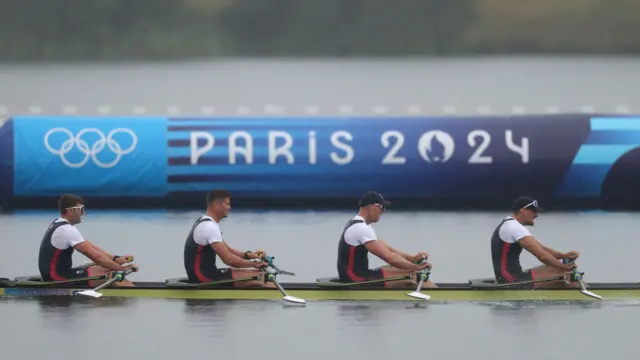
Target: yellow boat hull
[(452, 292)]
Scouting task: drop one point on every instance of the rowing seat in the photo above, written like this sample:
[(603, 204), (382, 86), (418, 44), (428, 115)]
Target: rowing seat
[(35, 280), (483, 283), (29, 280), (179, 281), (331, 282)]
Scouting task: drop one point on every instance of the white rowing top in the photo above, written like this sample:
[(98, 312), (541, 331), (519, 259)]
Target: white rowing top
[(512, 231), (207, 232), (65, 236), (360, 233)]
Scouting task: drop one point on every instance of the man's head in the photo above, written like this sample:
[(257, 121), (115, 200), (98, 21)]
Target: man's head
[(71, 207), (525, 210), (219, 203), (372, 205)]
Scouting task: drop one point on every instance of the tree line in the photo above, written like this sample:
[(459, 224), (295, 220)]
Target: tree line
[(177, 29)]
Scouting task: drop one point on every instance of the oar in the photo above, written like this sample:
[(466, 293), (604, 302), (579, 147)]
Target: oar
[(272, 277), (94, 292), (269, 261), (424, 276), (575, 275), (583, 288)]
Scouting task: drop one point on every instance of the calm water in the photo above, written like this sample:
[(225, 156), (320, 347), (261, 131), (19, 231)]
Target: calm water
[(533, 84), (305, 243)]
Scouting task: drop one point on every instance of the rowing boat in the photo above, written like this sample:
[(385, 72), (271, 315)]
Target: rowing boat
[(322, 289)]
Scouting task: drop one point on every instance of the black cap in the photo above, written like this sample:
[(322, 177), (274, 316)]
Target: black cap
[(526, 202), (372, 197)]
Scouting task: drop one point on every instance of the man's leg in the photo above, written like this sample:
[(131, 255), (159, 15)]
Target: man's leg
[(392, 272), (233, 273), (545, 272), (100, 271)]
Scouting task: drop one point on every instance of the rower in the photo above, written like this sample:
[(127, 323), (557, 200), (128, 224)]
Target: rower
[(205, 242), (511, 236), (62, 238), (359, 238)]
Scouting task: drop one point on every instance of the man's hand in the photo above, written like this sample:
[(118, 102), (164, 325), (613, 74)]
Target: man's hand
[(259, 264), (417, 258), (569, 267), (571, 255), (133, 266), (111, 274), (124, 259), (256, 254)]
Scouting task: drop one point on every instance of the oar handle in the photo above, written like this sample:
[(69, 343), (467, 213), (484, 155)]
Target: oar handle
[(117, 276), (575, 274), (269, 261), (424, 274), (120, 275)]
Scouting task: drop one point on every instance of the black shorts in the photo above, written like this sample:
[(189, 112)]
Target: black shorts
[(519, 277), (69, 274), (210, 274), (372, 274)]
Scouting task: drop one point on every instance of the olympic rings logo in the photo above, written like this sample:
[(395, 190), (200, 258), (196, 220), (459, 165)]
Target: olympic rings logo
[(95, 149)]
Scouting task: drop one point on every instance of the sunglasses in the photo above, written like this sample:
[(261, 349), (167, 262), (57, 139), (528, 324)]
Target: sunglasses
[(534, 203), (81, 208), (380, 206)]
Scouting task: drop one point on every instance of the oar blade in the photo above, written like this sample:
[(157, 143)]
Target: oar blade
[(419, 295), (589, 293), (91, 293), (294, 299)]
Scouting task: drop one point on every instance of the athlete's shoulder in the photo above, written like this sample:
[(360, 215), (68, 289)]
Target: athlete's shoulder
[(204, 219), (64, 226), (207, 225), (512, 231), (360, 228)]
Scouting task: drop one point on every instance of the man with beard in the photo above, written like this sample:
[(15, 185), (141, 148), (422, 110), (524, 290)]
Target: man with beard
[(511, 236)]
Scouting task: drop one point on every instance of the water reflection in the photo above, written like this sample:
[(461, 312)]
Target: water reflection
[(516, 308), (69, 304)]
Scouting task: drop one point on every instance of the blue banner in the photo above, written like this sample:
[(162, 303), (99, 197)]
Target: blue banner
[(339, 157), (459, 158), (606, 163), (6, 161), (92, 156)]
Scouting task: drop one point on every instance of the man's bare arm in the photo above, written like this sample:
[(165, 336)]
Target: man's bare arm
[(536, 249), (235, 252), (397, 251), (99, 258), (380, 249), (99, 249)]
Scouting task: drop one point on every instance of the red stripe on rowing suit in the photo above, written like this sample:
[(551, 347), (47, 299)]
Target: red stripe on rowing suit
[(352, 259), (196, 265), (503, 264), (53, 267)]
